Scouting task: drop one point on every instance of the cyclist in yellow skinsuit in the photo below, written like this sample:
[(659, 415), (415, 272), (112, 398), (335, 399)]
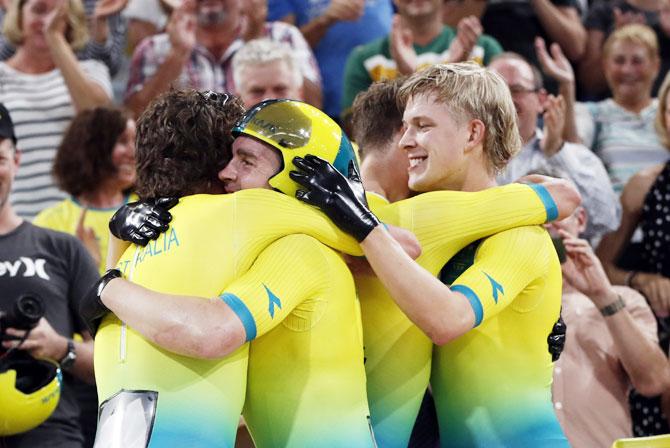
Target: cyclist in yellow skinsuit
[(273, 356), (513, 281), (454, 142), (307, 295), (173, 400), (398, 354)]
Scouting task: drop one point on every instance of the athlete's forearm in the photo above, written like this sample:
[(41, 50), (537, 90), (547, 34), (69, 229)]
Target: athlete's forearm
[(564, 193), (186, 325), (407, 240), (439, 312)]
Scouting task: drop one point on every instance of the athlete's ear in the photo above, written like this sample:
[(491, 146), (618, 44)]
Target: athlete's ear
[(477, 130)]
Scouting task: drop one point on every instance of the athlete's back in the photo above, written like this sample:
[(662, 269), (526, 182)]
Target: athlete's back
[(398, 354), (306, 379), (515, 278), (198, 402)]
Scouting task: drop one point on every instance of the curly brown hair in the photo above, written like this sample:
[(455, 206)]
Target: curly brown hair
[(84, 157), (183, 140)]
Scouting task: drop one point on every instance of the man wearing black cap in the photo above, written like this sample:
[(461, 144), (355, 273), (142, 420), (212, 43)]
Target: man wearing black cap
[(56, 268)]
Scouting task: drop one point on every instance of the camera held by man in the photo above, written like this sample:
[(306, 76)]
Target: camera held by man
[(29, 388)]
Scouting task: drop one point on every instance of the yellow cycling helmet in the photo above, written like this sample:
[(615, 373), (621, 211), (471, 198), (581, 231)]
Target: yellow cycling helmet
[(296, 129), (29, 392)]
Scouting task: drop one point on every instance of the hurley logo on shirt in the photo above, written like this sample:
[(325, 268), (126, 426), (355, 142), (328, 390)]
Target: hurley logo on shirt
[(31, 268)]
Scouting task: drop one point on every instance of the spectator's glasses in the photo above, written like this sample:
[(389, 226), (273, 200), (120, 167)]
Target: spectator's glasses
[(521, 90)]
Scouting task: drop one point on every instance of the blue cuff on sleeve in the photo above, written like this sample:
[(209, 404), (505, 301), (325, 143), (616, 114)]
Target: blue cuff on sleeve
[(475, 303), (547, 200), (243, 313)]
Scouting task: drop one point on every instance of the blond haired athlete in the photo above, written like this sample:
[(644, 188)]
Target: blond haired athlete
[(492, 373)]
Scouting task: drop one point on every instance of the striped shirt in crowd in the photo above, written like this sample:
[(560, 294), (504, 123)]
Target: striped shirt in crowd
[(41, 108), (110, 52), (625, 141)]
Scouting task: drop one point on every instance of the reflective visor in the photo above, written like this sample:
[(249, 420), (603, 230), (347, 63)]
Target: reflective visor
[(281, 122)]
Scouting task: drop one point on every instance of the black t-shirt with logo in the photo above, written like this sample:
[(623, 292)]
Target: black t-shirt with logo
[(56, 267)]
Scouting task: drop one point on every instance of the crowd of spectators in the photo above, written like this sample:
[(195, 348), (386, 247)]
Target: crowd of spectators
[(589, 79)]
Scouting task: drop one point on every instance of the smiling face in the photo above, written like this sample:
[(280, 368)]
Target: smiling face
[(9, 164), (252, 165), (630, 70), (435, 145), (123, 157), (527, 98)]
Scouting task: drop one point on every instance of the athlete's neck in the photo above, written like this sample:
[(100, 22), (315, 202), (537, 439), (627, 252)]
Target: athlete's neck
[(478, 183), (477, 176), (376, 178)]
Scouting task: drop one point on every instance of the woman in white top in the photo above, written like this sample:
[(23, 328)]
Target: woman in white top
[(43, 86), (621, 129)]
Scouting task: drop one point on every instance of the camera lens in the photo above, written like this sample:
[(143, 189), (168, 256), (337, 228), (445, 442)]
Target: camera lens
[(28, 310)]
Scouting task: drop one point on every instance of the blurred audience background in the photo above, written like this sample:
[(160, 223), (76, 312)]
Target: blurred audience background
[(589, 80)]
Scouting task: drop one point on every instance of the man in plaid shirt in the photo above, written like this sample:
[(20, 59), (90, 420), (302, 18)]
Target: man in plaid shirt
[(196, 52)]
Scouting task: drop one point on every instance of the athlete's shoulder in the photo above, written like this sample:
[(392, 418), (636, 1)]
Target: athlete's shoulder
[(303, 246), (524, 239), (376, 201), (309, 255), (263, 197), (255, 198)]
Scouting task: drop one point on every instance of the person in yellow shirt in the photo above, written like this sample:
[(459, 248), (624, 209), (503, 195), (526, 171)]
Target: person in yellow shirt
[(95, 164), (491, 372)]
